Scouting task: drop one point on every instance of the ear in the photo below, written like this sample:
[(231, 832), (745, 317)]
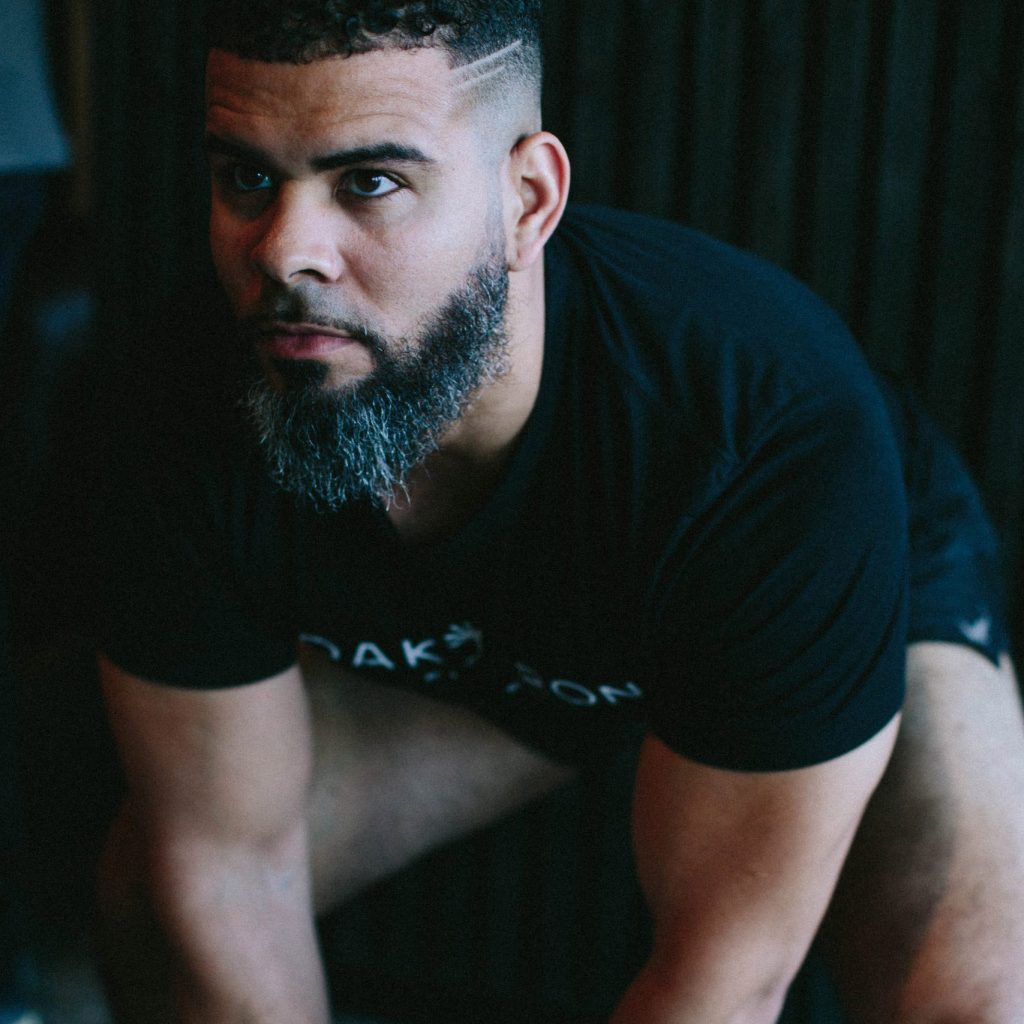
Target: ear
[(538, 182)]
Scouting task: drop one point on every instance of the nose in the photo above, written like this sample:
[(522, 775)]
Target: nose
[(298, 240)]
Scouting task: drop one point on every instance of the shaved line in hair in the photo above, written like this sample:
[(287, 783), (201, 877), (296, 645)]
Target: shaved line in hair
[(467, 75), (505, 82)]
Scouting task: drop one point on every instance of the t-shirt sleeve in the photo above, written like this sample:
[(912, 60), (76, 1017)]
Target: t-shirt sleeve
[(172, 603), (782, 607)]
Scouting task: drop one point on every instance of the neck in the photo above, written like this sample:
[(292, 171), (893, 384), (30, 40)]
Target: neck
[(455, 482)]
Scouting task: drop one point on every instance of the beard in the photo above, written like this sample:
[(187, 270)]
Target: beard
[(334, 446)]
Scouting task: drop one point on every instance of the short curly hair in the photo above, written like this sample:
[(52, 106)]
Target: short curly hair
[(301, 31)]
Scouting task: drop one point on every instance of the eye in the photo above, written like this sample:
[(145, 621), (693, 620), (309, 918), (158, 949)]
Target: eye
[(369, 184), (246, 178)]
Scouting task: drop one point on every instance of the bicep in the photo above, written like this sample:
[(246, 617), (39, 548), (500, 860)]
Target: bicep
[(738, 867), (233, 762)]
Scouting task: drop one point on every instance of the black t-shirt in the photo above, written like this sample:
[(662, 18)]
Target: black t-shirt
[(702, 530)]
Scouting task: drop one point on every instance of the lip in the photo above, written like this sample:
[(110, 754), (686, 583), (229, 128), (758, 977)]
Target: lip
[(302, 341)]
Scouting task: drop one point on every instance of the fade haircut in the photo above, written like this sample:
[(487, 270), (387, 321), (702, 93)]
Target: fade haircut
[(500, 38)]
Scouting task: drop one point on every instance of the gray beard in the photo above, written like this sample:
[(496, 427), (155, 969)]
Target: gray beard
[(332, 447)]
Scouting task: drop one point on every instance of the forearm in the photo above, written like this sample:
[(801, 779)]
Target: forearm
[(240, 921), (738, 869), (133, 954), (231, 929)]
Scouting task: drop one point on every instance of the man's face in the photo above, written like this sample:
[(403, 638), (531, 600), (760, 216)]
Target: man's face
[(356, 229)]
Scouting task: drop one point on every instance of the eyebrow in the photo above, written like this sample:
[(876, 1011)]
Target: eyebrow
[(381, 152)]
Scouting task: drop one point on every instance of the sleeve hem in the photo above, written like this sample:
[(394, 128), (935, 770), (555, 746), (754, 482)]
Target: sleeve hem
[(204, 676), (780, 749)]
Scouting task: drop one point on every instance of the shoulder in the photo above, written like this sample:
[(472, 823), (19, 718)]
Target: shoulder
[(177, 469), (680, 271), (190, 538), (712, 342), (171, 386)]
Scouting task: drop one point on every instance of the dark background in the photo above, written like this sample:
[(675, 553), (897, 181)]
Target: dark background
[(875, 149)]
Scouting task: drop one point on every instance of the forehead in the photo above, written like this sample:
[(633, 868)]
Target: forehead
[(381, 92)]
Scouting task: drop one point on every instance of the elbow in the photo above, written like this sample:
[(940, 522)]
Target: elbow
[(133, 881), (726, 992), (176, 871), (120, 887)]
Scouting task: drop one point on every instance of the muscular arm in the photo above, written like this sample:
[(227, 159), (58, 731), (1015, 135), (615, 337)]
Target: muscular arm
[(217, 807), (738, 869)]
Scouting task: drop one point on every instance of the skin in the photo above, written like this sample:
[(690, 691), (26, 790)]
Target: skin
[(359, 255), (927, 925), (217, 843)]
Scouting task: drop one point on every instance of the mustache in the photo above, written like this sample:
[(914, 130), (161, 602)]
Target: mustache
[(294, 308)]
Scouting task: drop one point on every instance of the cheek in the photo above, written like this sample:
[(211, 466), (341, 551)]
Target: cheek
[(394, 271), (417, 268), (430, 251), (406, 283)]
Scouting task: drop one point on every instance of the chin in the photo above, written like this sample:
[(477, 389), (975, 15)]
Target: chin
[(286, 376)]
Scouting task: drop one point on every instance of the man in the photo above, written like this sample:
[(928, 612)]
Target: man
[(521, 493)]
